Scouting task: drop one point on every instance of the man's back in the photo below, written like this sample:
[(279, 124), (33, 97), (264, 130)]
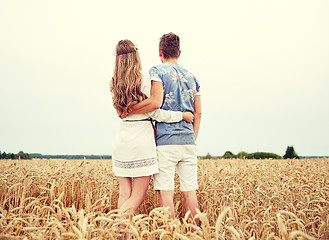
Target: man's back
[(180, 89)]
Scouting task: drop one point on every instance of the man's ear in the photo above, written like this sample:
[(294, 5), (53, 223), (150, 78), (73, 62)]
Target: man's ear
[(179, 53), (160, 53)]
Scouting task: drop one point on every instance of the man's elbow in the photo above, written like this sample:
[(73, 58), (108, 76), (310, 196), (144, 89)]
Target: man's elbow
[(197, 114)]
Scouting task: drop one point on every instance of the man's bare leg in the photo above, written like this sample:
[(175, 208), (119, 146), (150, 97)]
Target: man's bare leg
[(166, 199), (191, 203)]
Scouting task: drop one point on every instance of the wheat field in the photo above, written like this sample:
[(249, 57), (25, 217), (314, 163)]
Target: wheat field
[(239, 199)]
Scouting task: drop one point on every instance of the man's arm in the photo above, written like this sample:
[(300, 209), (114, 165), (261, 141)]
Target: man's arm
[(197, 115), (153, 102)]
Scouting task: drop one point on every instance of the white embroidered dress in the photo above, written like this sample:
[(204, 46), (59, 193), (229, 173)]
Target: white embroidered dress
[(134, 149)]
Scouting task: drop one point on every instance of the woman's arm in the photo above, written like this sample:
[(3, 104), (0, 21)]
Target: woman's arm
[(152, 103), (161, 115)]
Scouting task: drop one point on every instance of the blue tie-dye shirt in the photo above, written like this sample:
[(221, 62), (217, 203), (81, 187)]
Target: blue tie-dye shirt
[(180, 88)]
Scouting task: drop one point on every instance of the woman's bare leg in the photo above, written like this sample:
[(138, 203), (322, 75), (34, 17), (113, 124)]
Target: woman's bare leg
[(138, 193), (124, 190)]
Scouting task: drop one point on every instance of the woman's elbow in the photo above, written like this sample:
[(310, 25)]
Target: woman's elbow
[(155, 105)]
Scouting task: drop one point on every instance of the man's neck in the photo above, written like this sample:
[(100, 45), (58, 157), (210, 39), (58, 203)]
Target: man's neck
[(170, 60)]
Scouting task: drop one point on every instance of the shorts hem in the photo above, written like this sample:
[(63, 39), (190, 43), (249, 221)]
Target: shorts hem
[(162, 189), (188, 189)]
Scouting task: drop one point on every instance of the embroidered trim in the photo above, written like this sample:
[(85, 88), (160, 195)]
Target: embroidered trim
[(135, 164)]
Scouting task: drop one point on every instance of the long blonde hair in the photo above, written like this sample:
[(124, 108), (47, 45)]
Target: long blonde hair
[(127, 77)]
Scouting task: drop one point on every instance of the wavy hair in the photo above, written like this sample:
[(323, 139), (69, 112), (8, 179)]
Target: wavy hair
[(127, 77)]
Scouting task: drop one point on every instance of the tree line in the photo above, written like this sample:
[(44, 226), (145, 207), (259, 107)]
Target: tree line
[(22, 155), (290, 153), (19, 155), (40, 156)]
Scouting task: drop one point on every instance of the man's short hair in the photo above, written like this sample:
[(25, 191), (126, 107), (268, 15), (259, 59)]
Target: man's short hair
[(169, 45)]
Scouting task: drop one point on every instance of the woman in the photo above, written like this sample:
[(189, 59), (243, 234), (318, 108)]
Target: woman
[(134, 151)]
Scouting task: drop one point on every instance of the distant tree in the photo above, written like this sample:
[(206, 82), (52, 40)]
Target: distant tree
[(265, 155), (228, 154), (290, 153), (0, 155), (4, 155), (12, 156), (208, 156), (244, 155), (22, 155)]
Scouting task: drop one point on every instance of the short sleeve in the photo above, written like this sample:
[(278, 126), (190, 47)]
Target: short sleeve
[(197, 86), (146, 84), (155, 74)]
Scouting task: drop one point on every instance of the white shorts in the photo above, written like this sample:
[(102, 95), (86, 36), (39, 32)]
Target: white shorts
[(184, 157)]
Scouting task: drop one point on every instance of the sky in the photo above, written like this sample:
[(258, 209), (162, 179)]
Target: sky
[(263, 68)]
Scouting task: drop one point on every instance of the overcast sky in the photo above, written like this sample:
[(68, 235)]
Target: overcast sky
[(263, 67)]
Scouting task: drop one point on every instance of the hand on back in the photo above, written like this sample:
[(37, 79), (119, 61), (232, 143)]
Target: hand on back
[(188, 117)]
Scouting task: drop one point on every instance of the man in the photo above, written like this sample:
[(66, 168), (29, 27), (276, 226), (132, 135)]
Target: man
[(174, 88)]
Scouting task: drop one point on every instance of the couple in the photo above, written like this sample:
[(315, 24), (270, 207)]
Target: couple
[(137, 98)]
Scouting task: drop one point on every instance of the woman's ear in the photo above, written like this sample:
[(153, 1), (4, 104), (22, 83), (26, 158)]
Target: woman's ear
[(179, 53)]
